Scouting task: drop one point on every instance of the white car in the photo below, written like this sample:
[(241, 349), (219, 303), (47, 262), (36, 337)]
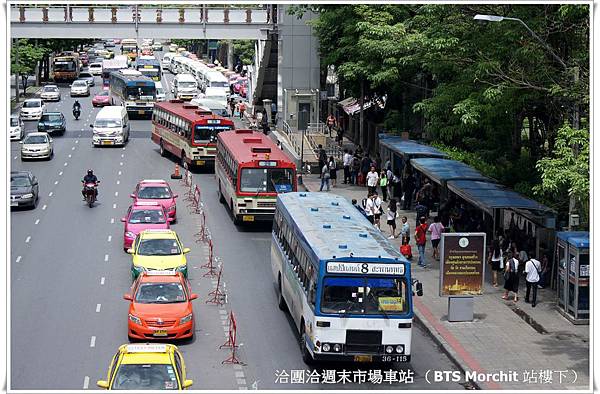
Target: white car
[(80, 87), (16, 129), (160, 92), (95, 68), (32, 109), (157, 46), (50, 93), (37, 146), (173, 48)]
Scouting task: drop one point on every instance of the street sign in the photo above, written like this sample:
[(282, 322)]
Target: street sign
[(462, 265)]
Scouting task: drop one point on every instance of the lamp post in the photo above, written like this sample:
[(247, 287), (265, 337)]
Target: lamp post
[(575, 76)]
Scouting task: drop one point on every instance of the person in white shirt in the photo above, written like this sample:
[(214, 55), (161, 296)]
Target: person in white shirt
[(532, 269), (347, 162), (377, 210), (370, 209), (372, 180)]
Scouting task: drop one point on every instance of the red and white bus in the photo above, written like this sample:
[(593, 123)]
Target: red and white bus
[(251, 170), (187, 131)]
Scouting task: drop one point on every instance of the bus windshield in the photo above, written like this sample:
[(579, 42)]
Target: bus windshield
[(364, 295), (64, 65), (268, 180), (141, 92), (203, 133), (150, 72)]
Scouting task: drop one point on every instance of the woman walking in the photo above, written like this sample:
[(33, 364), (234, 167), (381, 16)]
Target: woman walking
[(511, 277), (391, 217), (383, 183), (436, 229), (332, 171), (496, 261)]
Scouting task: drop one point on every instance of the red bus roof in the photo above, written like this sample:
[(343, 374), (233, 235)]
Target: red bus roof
[(249, 145), (189, 111)]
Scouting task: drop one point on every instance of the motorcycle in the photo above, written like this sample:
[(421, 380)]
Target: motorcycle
[(89, 191), (76, 113)]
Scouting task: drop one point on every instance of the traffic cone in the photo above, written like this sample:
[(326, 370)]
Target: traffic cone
[(176, 175)]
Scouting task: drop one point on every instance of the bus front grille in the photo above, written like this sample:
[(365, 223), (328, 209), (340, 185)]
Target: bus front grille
[(363, 341)]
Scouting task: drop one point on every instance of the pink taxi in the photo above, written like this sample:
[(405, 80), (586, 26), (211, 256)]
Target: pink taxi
[(159, 191), (142, 216)]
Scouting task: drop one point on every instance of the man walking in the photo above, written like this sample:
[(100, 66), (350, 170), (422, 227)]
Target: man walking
[(322, 159), (372, 180), (421, 210), (347, 161), (532, 269), (421, 240)]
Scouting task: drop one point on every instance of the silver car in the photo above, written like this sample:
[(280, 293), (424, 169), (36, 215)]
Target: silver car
[(17, 129), (32, 109), (37, 146), (50, 93), (80, 87)]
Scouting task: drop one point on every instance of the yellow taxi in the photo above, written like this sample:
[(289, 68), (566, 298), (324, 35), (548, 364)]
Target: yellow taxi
[(146, 367), (158, 250)]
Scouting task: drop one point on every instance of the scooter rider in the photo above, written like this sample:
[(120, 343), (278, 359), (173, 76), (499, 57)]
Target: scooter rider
[(89, 178), (76, 107)]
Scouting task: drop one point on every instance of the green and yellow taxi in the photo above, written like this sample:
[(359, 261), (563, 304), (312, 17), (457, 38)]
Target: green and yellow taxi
[(146, 367), (157, 250)]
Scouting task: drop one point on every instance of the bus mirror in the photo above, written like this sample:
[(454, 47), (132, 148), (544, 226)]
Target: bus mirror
[(419, 287)]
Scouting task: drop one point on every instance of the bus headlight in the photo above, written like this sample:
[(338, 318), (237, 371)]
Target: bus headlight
[(399, 349), (389, 349), (326, 347), (337, 348)]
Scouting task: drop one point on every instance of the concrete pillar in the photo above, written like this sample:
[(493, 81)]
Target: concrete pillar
[(230, 55)]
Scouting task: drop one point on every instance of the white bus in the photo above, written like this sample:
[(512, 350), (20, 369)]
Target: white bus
[(215, 80)]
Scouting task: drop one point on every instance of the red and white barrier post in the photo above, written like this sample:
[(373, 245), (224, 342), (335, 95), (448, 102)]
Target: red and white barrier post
[(231, 342), (209, 265), (217, 296)]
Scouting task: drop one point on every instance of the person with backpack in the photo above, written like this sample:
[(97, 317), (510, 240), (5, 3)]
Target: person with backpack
[(533, 269), (421, 240), (511, 276), (421, 211)]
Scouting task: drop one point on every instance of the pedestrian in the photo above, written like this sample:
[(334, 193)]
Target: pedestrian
[(340, 136), (359, 151), (325, 175), (322, 159), (421, 211), (377, 210), (378, 162), (543, 275), (331, 122), (396, 186), (347, 160), (355, 169), (332, 171), (533, 269), (495, 259), (425, 193), (372, 180), (274, 112), (408, 184), (421, 240), (365, 164), (436, 229), (232, 106), (242, 109), (511, 276), (392, 211), (383, 183), (405, 249), (369, 206), (388, 165), (405, 229)]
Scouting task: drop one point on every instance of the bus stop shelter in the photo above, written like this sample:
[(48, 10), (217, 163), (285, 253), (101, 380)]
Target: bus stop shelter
[(400, 151), (442, 171), (573, 252)]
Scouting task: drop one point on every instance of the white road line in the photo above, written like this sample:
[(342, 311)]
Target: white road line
[(27, 239), (50, 194), (123, 148), (112, 220), (116, 194), (18, 259), (60, 173), (114, 206), (98, 306), (118, 182), (56, 182), (37, 221), (122, 155), (72, 148), (239, 374), (86, 382), (15, 158), (119, 172), (109, 238), (76, 141), (70, 155), (44, 207), (121, 163), (93, 341), (66, 164), (102, 281), (105, 257)]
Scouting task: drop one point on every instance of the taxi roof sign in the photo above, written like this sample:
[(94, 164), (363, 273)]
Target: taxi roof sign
[(146, 204), (147, 348), (161, 272), (158, 231), (153, 181)]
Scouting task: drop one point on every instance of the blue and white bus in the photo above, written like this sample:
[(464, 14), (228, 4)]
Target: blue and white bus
[(346, 286), (136, 93)]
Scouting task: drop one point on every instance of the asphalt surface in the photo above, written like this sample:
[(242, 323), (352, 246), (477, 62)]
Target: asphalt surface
[(69, 273)]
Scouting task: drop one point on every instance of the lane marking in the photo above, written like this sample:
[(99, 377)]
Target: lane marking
[(50, 194), (60, 173), (105, 257), (76, 141), (112, 220), (102, 281), (122, 155), (66, 164), (118, 182), (86, 382), (123, 148), (239, 374), (15, 158), (121, 163), (72, 148), (37, 221), (70, 156), (119, 172), (109, 238), (44, 207), (98, 306), (114, 206), (56, 182), (18, 259), (116, 194), (93, 341), (27, 239)]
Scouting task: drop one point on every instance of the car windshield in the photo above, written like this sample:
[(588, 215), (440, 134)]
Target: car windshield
[(158, 247), (103, 93), (150, 216), (219, 84), (95, 65), (217, 98), (32, 104), (203, 133), (19, 181), (145, 377), (364, 295), (185, 84), (80, 83), (107, 123), (51, 118), (50, 89), (141, 92), (160, 91), (160, 293), (14, 122), (35, 139), (154, 192), (68, 65), (86, 75), (270, 180)]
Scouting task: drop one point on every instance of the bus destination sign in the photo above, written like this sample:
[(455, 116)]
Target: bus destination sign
[(335, 267), (267, 163)]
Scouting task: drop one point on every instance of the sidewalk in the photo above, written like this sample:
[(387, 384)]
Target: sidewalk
[(504, 336)]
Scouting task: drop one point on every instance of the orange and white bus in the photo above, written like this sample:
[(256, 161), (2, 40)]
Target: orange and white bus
[(187, 131), (251, 170)]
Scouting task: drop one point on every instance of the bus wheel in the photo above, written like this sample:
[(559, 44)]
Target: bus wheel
[(306, 356), (280, 300), (163, 152), (221, 197)]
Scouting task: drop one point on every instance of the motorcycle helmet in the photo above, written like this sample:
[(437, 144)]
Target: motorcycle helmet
[(90, 172)]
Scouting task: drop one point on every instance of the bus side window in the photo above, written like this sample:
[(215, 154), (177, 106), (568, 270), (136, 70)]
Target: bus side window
[(312, 293)]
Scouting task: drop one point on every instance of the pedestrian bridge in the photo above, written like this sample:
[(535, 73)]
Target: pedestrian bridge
[(183, 22)]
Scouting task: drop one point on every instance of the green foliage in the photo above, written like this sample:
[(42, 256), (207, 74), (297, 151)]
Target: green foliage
[(24, 57), (244, 50)]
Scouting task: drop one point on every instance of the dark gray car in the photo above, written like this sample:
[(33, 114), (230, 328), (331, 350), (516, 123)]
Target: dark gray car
[(24, 190), (88, 77)]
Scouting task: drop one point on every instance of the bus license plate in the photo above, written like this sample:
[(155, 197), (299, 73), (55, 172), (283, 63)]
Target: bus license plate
[(248, 218), (200, 162), (394, 359), (107, 142), (141, 112), (363, 359), (160, 333)]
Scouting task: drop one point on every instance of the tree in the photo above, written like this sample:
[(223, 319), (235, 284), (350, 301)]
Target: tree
[(24, 59)]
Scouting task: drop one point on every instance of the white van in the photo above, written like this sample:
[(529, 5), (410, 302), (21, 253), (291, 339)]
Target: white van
[(184, 87), (198, 71), (160, 91), (111, 126), (215, 94), (176, 64), (166, 61), (215, 80)]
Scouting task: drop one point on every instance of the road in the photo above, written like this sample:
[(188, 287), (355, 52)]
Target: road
[(68, 274)]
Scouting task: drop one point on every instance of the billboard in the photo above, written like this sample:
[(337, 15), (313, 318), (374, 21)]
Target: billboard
[(462, 265)]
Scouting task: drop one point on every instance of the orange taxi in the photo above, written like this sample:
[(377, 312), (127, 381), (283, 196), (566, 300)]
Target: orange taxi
[(161, 307)]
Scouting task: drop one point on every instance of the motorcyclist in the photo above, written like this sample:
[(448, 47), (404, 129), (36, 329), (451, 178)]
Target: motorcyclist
[(90, 178), (76, 107)]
